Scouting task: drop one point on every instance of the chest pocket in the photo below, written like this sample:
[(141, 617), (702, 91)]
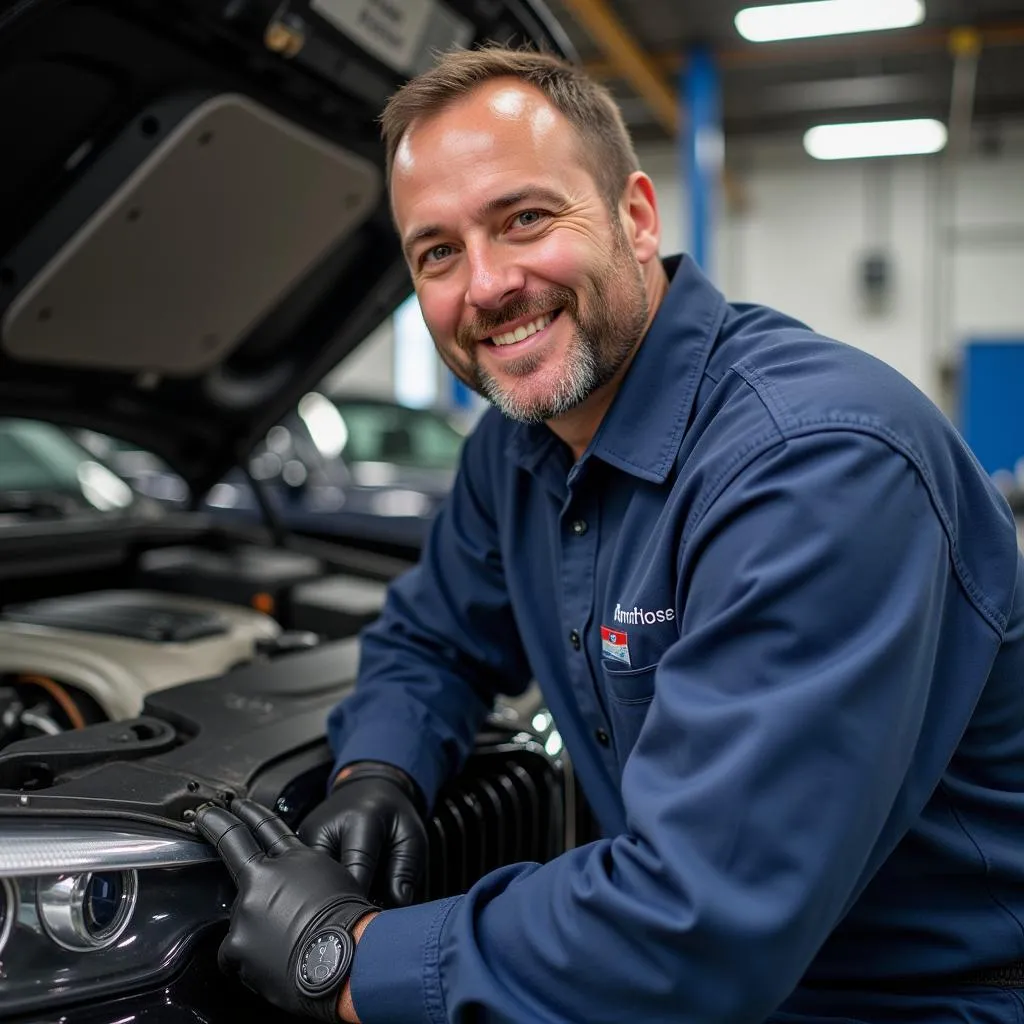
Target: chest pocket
[(628, 696)]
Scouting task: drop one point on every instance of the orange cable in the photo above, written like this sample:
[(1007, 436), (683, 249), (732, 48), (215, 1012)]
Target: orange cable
[(61, 696)]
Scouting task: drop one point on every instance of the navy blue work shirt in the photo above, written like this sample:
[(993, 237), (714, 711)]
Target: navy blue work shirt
[(777, 612)]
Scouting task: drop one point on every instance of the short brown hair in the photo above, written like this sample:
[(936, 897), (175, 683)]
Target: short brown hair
[(607, 150)]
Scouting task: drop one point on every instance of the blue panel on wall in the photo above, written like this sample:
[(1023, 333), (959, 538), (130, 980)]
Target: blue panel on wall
[(992, 402)]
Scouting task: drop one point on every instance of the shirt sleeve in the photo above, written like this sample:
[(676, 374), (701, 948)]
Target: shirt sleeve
[(444, 645), (769, 781)]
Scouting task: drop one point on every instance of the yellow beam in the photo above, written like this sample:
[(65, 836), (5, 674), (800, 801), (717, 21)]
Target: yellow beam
[(627, 60)]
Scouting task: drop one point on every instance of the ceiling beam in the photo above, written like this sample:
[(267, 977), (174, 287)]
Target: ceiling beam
[(803, 52), (626, 60)]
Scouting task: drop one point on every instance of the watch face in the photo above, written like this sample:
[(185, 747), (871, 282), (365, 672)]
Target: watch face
[(325, 961)]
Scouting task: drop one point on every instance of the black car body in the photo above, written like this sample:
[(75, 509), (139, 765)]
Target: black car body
[(193, 231)]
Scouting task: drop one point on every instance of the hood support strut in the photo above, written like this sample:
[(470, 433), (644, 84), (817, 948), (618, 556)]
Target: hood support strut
[(270, 517)]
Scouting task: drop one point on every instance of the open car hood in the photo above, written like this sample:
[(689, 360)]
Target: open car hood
[(193, 223)]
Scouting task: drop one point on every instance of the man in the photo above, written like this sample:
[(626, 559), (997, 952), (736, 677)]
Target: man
[(774, 604)]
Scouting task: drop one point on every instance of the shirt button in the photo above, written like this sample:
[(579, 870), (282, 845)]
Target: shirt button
[(574, 639), (602, 737), (579, 527)]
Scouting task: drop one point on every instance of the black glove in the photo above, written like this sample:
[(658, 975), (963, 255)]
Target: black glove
[(290, 936), (371, 824)]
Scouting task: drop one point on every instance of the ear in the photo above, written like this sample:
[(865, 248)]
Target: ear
[(638, 211)]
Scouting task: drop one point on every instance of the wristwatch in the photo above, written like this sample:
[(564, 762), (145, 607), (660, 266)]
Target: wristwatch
[(326, 960), (325, 956)]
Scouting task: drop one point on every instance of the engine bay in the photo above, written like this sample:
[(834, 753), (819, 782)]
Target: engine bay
[(158, 667), (159, 616), (70, 661), (172, 661)]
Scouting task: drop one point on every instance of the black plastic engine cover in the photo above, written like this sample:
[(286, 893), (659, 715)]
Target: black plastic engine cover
[(241, 723), (226, 731)]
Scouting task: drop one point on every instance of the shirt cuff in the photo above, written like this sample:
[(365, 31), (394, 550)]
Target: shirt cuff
[(399, 746), (395, 976)]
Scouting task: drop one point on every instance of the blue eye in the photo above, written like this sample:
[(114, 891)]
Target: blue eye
[(527, 218), (439, 252)]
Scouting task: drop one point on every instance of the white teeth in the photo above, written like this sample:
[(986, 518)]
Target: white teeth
[(522, 333)]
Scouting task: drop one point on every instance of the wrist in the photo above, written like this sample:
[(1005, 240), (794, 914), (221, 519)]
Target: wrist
[(382, 770), (346, 1007)]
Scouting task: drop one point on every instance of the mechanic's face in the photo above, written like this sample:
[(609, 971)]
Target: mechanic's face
[(529, 284)]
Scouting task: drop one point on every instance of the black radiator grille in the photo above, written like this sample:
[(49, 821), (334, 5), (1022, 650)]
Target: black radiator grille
[(506, 806)]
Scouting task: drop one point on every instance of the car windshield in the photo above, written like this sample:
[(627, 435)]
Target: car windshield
[(42, 470), (388, 432)]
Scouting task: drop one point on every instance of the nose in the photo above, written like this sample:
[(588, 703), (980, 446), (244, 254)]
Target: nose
[(494, 277)]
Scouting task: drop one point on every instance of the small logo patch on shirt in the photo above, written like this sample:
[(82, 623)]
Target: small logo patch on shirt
[(615, 645)]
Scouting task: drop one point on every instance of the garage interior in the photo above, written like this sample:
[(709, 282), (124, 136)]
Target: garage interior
[(226, 434)]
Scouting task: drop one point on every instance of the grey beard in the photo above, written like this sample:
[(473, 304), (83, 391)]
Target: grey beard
[(600, 346), (580, 380)]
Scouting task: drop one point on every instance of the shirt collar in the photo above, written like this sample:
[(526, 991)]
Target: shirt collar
[(641, 432)]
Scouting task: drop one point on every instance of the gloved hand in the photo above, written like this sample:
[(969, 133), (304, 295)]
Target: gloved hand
[(371, 825), (290, 935)]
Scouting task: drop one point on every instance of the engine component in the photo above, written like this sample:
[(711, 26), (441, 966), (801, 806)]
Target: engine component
[(244, 574), (336, 606), (119, 646)]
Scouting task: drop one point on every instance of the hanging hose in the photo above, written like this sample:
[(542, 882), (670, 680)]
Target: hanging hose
[(63, 699)]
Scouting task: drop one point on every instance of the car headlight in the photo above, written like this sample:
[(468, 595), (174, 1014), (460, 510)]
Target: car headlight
[(8, 911), (87, 910)]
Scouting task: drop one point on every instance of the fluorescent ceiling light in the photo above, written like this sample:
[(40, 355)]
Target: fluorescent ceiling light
[(826, 18), (875, 138)]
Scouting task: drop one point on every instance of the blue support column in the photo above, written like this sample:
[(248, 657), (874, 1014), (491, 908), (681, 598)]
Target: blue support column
[(703, 147)]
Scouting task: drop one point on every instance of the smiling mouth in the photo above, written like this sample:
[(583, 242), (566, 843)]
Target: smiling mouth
[(524, 331)]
